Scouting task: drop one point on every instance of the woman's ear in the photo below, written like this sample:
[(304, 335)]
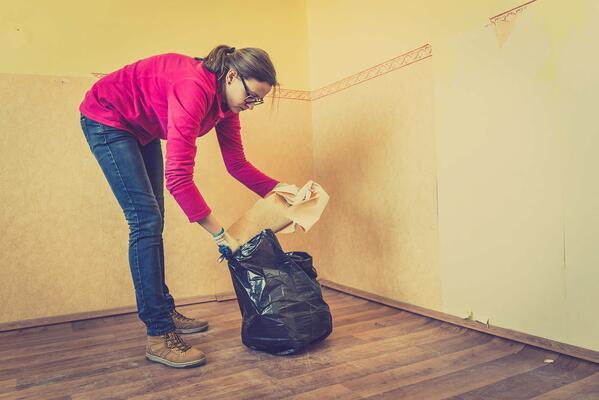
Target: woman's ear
[(230, 76)]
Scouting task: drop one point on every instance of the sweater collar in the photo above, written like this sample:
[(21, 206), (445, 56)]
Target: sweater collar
[(218, 98), (219, 108)]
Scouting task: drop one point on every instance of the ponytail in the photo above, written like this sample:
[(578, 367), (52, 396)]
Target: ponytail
[(216, 61), (250, 62)]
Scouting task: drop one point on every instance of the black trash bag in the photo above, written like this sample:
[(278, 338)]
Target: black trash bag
[(280, 300)]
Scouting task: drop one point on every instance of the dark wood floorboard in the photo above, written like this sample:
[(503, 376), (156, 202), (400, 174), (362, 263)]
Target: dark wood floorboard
[(375, 352)]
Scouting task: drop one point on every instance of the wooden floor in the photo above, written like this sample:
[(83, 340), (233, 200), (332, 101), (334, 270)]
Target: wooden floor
[(375, 352)]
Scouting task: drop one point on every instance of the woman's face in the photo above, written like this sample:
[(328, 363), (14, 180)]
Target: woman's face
[(236, 94)]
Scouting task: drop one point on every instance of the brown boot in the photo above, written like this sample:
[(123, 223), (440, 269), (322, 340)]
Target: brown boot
[(185, 325), (169, 349)]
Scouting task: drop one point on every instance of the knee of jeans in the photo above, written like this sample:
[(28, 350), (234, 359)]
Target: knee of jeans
[(149, 225)]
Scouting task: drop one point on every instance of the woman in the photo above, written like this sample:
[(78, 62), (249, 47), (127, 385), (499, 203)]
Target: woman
[(176, 98)]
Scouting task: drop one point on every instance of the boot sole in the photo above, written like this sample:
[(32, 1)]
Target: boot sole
[(192, 330), (189, 364)]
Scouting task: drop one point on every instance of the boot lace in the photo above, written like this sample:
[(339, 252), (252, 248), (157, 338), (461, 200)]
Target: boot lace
[(181, 317), (173, 341)]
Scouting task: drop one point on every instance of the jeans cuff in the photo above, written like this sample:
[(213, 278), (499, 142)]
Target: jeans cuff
[(161, 330)]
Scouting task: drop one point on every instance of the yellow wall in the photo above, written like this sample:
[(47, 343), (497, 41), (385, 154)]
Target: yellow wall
[(374, 151), (64, 245), (501, 118), (347, 36), (74, 38)]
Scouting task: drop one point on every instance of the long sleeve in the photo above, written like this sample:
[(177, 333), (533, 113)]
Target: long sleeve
[(188, 102), (231, 146)]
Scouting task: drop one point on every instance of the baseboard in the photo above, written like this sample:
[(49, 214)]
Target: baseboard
[(59, 319), (547, 344)]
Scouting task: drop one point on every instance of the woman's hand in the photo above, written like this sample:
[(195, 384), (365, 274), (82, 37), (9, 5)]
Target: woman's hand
[(227, 245), (273, 189)]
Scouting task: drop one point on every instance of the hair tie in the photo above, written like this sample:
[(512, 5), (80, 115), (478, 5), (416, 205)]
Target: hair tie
[(230, 50)]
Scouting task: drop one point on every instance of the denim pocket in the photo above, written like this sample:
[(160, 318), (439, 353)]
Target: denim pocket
[(92, 127)]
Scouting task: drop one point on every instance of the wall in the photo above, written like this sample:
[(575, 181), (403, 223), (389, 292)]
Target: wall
[(64, 245), (73, 38), (463, 182), (374, 150)]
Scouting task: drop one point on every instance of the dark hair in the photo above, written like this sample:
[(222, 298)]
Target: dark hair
[(250, 62)]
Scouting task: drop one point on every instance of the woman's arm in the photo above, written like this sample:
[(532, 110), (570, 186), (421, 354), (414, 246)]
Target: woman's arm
[(231, 145), (211, 224), (188, 102)]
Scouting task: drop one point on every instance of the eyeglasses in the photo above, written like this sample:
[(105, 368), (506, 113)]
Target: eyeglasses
[(251, 98)]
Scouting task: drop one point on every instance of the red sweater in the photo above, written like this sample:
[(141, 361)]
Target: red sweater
[(173, 97)]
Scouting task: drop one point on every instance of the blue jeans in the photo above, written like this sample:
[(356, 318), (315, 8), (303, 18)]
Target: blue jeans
[(135, 174)]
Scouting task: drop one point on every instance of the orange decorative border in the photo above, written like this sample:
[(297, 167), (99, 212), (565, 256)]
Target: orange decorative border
[(396, 63), (509, 14), (290, 94)]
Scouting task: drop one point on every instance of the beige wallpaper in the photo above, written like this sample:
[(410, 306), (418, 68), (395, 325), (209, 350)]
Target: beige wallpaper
[(65, 239), (64, 242), (374, 151), (517, 181), (502, 116)]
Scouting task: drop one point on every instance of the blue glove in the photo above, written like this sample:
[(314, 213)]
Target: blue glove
[(225, 252), (227, 245)]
